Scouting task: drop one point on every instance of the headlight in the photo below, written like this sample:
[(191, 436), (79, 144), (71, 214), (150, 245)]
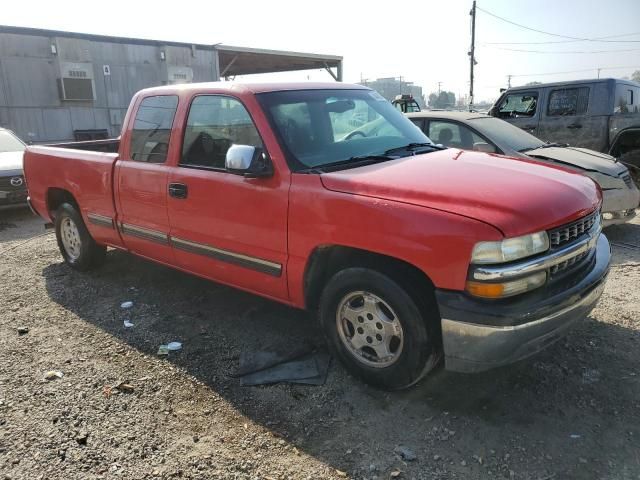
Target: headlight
[(506, 289), (510, 249), (607, 182)]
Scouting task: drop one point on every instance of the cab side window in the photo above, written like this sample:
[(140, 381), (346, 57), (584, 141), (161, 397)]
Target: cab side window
[(518, 105), (627, 99), (568, 101), (216, 122), (454, 135), (152, 128)]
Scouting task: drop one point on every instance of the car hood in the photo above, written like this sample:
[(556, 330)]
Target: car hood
[(581, 158), (517, 196), (11, 161)]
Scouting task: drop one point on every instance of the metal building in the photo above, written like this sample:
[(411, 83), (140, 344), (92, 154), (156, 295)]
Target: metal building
[(59, 86)]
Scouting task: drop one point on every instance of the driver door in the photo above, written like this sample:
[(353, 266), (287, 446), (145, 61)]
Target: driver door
[(521, 109), (224, 226)]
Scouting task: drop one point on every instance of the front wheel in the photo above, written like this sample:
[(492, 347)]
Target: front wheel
[(77, 246), (376, 328)]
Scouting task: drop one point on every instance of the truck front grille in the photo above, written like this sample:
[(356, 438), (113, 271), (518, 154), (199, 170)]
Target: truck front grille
[(627, 179), (560, 267), (572, 231)]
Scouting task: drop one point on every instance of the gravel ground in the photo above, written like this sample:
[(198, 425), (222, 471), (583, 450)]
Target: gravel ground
[(571, 412)]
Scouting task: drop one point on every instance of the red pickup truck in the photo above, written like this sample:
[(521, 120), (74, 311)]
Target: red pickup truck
[(325, 197)]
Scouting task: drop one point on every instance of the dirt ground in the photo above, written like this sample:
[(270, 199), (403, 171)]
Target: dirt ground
[(571, 412)]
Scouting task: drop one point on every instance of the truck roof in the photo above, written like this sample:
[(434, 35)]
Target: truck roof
[(575, 82), (254, 87)]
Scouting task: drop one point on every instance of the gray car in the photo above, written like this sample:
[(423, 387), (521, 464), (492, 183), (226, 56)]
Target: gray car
[(475, 131), (13, 189)]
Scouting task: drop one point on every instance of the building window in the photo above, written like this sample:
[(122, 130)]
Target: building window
[(152, 128)]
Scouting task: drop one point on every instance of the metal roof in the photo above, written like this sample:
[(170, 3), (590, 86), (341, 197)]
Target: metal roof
[(242, 61)]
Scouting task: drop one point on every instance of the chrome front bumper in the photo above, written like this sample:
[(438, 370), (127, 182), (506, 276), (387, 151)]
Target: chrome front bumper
[(479, 335)]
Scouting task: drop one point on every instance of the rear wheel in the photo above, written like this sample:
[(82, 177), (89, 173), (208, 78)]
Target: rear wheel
[(77, 246), (376, 328)]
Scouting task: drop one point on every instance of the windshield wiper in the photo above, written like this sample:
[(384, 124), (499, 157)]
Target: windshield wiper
[(546, 145), (412, 147), (352, 162)]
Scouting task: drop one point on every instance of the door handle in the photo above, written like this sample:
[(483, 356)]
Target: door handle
[(177, 190), (529, 127), (575, 125)]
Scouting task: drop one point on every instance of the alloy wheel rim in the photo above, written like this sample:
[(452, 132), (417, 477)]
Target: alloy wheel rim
[(369, 329), (70, 238)]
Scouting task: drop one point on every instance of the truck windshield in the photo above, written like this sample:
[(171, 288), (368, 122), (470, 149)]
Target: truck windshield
[(506, 134), (322, 127), (10, 143)]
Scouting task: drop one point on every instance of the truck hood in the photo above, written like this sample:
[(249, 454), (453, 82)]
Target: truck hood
[(581, 158), (11, 161), (517, 196)]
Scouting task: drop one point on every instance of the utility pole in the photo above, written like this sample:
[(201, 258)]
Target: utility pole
[(400, 84), (439, 83), (599, 72), (509, 80), (472, 59)]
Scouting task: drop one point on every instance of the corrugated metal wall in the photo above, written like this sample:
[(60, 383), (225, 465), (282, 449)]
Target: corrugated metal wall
[(30, 101)]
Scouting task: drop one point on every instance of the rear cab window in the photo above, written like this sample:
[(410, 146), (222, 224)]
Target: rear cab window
[(518, 104), (565, 102), (214, 123), (152, 128)]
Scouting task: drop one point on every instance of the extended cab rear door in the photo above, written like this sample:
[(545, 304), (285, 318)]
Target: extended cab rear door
[(225, 226), (141, 178)]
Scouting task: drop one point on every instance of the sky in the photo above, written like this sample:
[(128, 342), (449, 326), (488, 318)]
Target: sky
[(423, 41)]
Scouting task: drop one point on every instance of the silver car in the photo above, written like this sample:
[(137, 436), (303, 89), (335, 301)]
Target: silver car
[(13, 189), (475, 131)]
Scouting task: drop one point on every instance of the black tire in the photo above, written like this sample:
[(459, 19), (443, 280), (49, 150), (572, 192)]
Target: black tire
[(418, 353), (88, 254)]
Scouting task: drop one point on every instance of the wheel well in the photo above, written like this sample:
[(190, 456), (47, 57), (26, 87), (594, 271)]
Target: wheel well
[(326, 261), (58, 196), (626, 141)]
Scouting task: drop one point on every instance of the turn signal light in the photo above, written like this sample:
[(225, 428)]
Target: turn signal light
[(487, 290), (507, 289)]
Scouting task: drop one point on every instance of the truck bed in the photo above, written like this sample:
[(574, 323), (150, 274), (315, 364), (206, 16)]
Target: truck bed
[(85, 175), (109, 145)]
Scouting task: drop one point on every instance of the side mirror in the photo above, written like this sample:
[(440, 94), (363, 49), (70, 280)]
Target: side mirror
[(484, 147), (252, 162)]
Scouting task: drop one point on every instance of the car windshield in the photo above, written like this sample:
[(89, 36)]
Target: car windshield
[(321, 127), (10, 143), (504, 133)]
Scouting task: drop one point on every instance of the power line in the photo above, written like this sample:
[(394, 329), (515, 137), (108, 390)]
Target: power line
[(549, 42), (536, 30), (562, 52)]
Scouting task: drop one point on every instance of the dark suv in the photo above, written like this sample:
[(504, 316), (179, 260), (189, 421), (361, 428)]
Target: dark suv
[(602, 114)]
